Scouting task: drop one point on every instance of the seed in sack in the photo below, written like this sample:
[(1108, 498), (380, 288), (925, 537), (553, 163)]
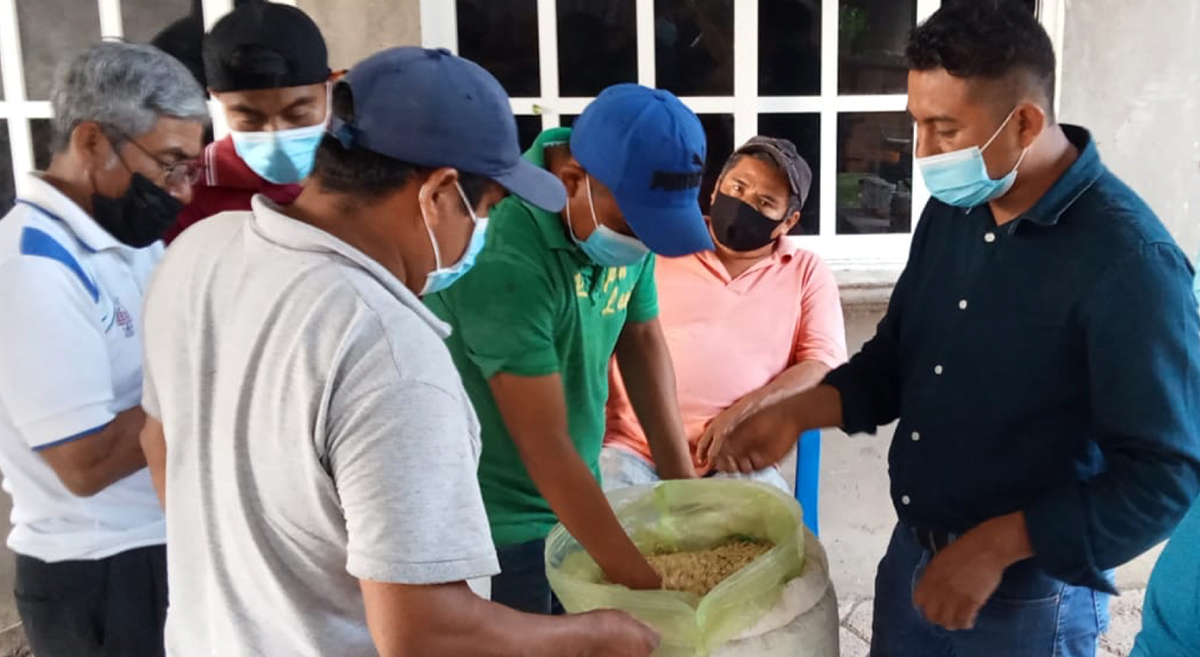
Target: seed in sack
[(700, 572)]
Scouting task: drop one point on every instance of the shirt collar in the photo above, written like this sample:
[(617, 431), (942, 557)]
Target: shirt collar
[(269, 221), (552, 228), (46, 198), (786, 248), (1077, 179), (552, 137)]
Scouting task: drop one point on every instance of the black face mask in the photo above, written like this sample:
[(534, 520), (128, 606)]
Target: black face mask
[(739, 226), (140, 216)]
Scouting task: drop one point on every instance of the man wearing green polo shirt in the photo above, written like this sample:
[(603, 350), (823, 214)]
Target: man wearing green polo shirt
[(551, 298)]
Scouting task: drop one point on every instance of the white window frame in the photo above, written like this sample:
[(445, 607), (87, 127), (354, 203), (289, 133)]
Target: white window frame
[(439, 29), (17, 111), (878, 252)]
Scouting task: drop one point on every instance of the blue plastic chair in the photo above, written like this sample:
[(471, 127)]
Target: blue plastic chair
[(808, 476)]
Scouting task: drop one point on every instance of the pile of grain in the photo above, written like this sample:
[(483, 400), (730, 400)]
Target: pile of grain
[(701, 572)]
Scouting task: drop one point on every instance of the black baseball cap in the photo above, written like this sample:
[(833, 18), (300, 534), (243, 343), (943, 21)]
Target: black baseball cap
[(264, 45), (434, 109), (783, 153)]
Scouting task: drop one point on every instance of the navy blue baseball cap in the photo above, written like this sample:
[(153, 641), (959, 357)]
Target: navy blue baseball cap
[(648, 148), (434, 109)]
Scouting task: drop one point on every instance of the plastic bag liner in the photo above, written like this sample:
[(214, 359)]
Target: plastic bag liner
[(689, 515)]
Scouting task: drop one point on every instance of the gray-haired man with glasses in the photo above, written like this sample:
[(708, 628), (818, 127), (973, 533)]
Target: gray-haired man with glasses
[(76, 254)]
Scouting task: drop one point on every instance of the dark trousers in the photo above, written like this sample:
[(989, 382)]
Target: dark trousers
[(113, 607), (522, 583)]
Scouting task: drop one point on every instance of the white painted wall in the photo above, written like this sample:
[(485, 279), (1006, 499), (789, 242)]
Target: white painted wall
[(1131, 73)]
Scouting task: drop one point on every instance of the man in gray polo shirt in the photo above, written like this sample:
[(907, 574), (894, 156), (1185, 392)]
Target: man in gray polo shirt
[(307, 429)]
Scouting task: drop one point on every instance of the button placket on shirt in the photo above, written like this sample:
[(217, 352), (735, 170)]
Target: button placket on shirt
[(963, 304)]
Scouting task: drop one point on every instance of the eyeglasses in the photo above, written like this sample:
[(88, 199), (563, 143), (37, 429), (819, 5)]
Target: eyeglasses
[(175, 174)]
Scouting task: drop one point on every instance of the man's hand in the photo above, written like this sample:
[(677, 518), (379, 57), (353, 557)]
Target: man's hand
[(748, 439), (762, 435), (726, 422), (617, 634), (960, 579), (630, 569)]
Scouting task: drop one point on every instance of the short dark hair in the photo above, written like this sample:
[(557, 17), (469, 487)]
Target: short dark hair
[(793, 201), (367, 175), (995, 40)]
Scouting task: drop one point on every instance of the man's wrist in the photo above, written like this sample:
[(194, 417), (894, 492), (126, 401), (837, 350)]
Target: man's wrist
[(1010, 539)]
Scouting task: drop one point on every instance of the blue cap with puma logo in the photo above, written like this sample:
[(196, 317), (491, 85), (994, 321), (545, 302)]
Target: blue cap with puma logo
[(648, 148)]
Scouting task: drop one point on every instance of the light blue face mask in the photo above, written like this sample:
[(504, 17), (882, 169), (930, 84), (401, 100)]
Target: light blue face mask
[(960, 178), (606, 246), (283, 156), (443, 277)]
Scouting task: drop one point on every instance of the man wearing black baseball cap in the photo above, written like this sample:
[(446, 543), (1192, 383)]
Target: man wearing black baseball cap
[(307, 428), (552, 298), (758, 300), (268, 66)]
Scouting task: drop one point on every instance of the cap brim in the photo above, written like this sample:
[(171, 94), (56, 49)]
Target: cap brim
[(535, 185), (670, 232)]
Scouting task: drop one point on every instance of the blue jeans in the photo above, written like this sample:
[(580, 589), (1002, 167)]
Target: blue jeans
[(1030, 615), (522, 583)]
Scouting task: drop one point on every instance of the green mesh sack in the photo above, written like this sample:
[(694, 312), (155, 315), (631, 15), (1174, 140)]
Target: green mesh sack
[(689, 515)]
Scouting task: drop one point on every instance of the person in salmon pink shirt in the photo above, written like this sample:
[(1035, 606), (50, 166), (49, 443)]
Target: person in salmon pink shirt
[(267, 64), (756, 317)]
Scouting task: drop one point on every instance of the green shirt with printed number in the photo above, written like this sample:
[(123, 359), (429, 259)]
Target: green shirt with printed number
[(534, 305)]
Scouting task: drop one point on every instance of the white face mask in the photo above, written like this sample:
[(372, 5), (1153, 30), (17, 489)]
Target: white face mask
[(283, 156), (606, 246), (443, 277)]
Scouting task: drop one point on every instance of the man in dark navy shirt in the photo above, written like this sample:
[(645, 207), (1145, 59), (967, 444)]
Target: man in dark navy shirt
[(1041, 351)]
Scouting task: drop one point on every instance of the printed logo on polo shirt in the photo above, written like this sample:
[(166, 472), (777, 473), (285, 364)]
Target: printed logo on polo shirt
[(124, 319), (617, 299)]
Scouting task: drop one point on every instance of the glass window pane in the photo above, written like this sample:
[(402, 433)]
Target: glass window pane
[(872, 35), (51, 32), (8, 189), (175, 26), (718, 128), (693, 46), (40, 130), (528, 128), (143, 20), (597, 45), (789, 48), (875, 169), (804, 130), (502, 37)]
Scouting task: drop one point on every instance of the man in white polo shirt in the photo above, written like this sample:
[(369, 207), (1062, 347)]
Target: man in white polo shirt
[(75, 255), (308, 430)]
